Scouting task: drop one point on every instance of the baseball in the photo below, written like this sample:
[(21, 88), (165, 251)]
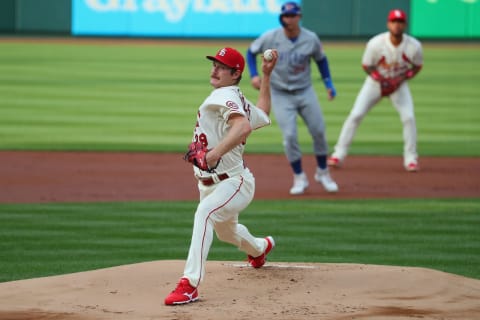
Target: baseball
[(268, 54)]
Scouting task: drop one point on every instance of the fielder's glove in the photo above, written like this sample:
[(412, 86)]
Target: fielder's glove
[(197, 155), (388, 86)]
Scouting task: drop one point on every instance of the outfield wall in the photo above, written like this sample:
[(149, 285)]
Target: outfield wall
[(441, 19), (35, 16)]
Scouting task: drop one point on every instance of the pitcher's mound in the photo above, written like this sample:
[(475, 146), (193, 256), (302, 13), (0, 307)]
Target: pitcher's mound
[(232, 290)]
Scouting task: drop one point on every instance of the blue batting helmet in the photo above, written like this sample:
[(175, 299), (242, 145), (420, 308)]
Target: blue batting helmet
[(289, 8)]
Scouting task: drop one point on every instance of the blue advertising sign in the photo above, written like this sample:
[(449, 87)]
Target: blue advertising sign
[(175, 18)]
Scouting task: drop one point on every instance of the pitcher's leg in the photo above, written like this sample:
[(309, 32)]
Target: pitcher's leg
[(219, 211), (202, 237), (238, 235), (219, 203), (225, 220)]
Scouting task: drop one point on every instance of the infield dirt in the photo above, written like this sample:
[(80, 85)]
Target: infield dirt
[(38, 177)]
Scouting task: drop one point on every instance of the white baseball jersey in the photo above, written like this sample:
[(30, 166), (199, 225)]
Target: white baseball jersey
[(392, 61), (221, 203), (223, 102)]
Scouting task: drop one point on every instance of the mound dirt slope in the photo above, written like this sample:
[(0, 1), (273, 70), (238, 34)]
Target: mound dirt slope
[(232, 290)]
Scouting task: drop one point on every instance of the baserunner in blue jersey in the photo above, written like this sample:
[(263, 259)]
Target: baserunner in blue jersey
[(293, 93)]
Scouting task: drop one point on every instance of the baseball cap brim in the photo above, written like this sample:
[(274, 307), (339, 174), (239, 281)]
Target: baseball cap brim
[(229, 57), (221, 61), (213, 58), (291, 12)]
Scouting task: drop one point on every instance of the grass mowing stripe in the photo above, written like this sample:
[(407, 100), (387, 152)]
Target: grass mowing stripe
[(47, 239), (118, 87)]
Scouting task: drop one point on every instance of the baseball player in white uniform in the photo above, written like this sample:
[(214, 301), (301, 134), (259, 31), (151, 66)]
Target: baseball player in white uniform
[(226, 186), (293, 94), (390, 58)]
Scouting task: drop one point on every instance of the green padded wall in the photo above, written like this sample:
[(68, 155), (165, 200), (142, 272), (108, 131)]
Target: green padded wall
[(452, 19), (349, 18), (43, 16), (7, 15)]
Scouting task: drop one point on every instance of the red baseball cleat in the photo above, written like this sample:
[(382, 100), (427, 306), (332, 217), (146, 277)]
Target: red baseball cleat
[(334, 162), (259, 261), (412, 167), (183, 293)]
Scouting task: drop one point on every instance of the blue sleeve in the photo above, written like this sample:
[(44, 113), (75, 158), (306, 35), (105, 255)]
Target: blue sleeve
[(325, 72), (252, 63)]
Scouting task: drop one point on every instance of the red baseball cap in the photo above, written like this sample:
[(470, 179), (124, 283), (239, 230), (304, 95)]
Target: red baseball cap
[(229, 57), (397, 14)]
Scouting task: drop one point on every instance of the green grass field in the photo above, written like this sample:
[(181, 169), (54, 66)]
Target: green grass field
[(51, 239), (144, 97)]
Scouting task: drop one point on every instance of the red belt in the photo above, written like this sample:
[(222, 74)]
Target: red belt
[(210, 181)]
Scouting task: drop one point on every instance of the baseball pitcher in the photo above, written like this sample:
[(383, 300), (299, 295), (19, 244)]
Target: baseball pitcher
[(226, 186)]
